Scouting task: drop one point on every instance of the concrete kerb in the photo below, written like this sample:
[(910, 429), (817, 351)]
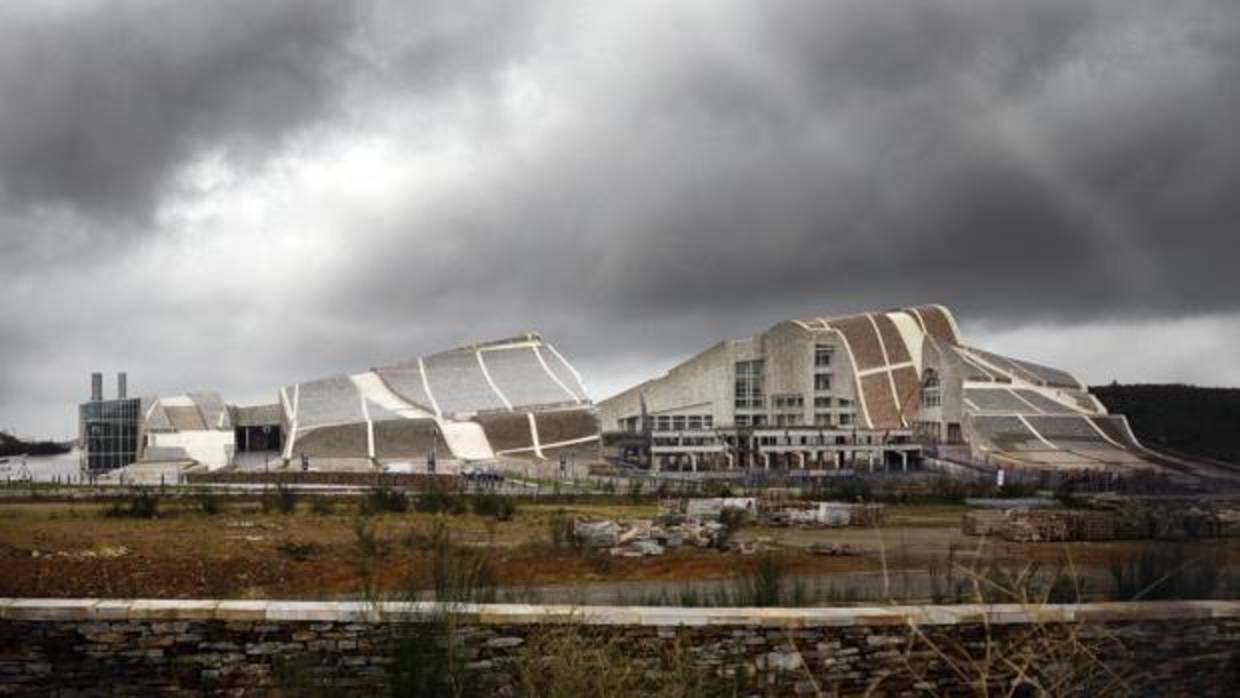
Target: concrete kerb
[(655, 616)]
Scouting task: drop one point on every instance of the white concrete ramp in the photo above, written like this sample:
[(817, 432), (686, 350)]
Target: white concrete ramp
[(466, 439), (372, 387)]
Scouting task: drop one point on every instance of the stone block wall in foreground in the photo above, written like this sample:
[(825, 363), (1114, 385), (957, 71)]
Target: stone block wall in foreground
[(139, 647)]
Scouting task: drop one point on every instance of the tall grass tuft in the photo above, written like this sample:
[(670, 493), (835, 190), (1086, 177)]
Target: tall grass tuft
[(140, 505), (381, 499), (1166, 572)]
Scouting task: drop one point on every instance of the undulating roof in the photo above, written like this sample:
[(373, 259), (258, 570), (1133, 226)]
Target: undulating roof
[(453, 398)]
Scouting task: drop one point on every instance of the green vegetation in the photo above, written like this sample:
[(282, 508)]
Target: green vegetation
[(1166, 572), (440, 501), (496, 506), (385, 499), (1188, 419), (12, 446), (140, 505), (939, 490), (283, 500), (209, 503), (299, 551), (560, 530)]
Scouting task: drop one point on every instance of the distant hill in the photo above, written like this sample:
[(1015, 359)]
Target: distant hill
[(12, 446), (1195, 421)]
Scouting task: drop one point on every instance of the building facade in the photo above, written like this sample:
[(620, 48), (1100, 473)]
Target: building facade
[(516, 397), (866, 390)]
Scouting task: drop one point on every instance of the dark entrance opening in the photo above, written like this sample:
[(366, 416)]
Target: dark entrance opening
[(265, 437)]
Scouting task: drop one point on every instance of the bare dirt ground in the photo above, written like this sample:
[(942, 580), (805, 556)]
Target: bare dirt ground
[(64, 549)]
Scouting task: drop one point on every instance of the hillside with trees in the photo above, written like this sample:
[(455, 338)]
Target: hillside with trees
[(12, 446), (1188, 419)]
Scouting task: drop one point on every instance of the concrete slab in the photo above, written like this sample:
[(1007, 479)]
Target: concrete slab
[(172, 609), (319, 611), (241, 611), (51, 609), (112, 609)]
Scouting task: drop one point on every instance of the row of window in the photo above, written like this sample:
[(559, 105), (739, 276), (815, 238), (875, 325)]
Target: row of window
[(820, 402), (846, 419), (749, 384), (682, 422)]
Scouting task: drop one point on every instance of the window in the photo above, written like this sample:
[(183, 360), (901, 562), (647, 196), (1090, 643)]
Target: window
[(663, 423), (759, 420), (749, 384), (931, 390), (846, 420), (788, 400), (695, 422), (822, 355), (742, 420), (822, 420), (822, 402), (822, 382), (845, 402), (708, 421)]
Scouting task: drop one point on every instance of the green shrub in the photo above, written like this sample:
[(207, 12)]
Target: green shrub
[(141, 505), (764, 584), (209, 503), (299, 551), (438, 501), (322, 505), (1166, 572), (283, 499), (385, 499), (496, 506), (460, 574), (635, 490), (560, 529), (367, 544)]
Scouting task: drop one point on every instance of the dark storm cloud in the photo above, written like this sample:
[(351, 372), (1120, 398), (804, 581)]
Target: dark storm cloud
[(1058, 160), (103, 101), (636, 180)]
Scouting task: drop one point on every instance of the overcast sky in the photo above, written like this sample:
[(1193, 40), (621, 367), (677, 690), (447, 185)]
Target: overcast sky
[(235, 195)]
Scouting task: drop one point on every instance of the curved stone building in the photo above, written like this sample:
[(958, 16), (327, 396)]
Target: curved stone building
[(516, 397), (872, 389), (513, 397)]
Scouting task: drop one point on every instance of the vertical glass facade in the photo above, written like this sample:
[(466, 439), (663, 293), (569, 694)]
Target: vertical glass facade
[(108, 430), (749, 388)]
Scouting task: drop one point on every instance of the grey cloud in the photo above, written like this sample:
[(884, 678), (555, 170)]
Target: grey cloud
[(713, 169), (104, 101), (867, 154)]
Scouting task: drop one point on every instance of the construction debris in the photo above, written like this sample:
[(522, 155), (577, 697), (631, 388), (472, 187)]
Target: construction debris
[(712, 507), (832, 549), (596, 534), (1122, 519), (823, 514), (646, 537)]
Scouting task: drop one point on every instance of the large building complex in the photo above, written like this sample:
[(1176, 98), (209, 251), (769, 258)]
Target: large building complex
[(875, 389), (516, 397)]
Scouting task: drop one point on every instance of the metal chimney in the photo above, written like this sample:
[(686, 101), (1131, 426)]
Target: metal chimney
[(96, 387), (122, 385)]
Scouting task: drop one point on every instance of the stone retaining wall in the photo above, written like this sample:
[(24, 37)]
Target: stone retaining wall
[(106, 647), (417, 481)]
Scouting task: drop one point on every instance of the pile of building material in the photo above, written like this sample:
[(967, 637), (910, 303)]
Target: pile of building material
[(1036, 527), (596, 534), (712, 507), (983, 523), (822, 514), (641, 537), (1161, 522)]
